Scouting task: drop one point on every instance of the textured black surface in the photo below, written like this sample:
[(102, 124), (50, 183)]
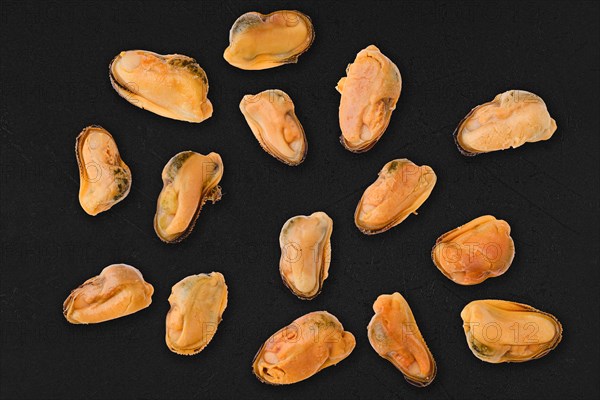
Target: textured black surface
[(452, 57)]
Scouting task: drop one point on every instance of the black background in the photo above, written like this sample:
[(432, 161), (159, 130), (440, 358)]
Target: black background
[(452, 57)]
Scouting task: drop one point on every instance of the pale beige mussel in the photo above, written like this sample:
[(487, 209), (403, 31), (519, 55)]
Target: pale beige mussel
[(104, 178), (309, 344), (258, 41), (172, 86), (197, 306), (504, 331), (395, 336), (189, 179), (118, 291), (512, 119), (400, 189), (271, 117), (305, 243), (369, 94), (471, 253)]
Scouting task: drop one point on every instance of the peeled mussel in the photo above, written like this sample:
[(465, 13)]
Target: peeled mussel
[(104, 178), (478, 250), (309, 344), (118, 291), (369, 92), (270, 115), (305, 253), (258, 41), (197, 305), (399, 190), (173, 85), (395, 336), (189, 180), (512, 119), (504, 331)]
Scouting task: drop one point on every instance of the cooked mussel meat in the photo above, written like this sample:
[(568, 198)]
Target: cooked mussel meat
[(189, 179), (258, 41), (395, 336), (173, 85), (104, 178), (400, 189), (478, 250), (118, 291), (271, 117), (504, 331), (197, 306), (309, 344), (512, 119), (369, 94), (305, 243)]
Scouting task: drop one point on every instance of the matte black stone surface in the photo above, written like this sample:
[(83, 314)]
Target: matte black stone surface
[(452, 58)]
